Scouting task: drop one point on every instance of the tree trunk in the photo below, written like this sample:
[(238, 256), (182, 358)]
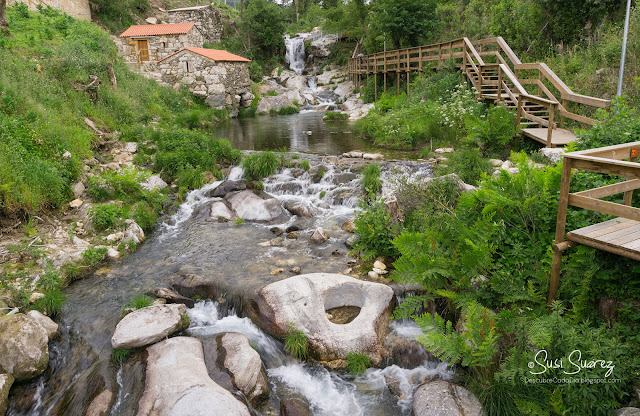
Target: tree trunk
[(3, 14), (295, 2)]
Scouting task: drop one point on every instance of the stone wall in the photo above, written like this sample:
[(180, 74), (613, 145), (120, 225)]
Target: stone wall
[(77, 8), (222, 84), (206, 18)]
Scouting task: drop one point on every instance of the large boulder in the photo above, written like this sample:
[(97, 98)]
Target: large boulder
[(149, 325), (245, 366), (177, 383), (24, 351), (220, 210), (303, 300), (269, 103), (441, 398), (297, 82), (6, 380), (300, 209), (252, 206)]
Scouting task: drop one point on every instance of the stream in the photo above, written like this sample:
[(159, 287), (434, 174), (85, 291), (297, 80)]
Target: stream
[(187, 243)]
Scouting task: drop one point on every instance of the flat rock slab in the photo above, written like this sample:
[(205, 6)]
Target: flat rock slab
[(177, 383), (303, 300), (441, 398), (24, 351), (149, 325)]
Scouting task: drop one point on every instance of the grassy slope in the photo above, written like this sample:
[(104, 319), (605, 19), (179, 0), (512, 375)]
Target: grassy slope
[(46, 61)]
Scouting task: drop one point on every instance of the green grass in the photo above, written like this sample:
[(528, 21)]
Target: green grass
[(283, 111), (260, 165), (140, 301), (120, 354), (47, 58), (371, 182), (335, 115), (239, 221), (357, 363), (305, 165), (296, 342)]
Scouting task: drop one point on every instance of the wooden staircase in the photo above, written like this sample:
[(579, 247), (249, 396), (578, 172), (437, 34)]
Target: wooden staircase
[(498, 75)]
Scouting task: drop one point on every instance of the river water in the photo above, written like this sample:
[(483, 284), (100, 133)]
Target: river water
[(189, 244)]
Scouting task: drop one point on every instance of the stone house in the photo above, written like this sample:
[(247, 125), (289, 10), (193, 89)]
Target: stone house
[(77, 8), (146, 43), (220, 77), (207, 18)]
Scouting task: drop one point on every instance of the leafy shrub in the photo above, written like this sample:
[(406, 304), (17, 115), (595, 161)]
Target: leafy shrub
[(371, 182), (335, 115), (190, 120), (494, 132), (305, 165), (93, 256), (144, 215), (260, 165), (468, 164), (296, 342), (375, 231), (357, 363), (105, 216)]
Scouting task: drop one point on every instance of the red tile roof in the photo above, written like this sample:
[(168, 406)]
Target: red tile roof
[(157, 30), (215, 54)]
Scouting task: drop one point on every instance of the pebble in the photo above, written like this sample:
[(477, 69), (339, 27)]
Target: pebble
[(76, 203), (277, 271), (296, 270), (373, 275), (379, 265)]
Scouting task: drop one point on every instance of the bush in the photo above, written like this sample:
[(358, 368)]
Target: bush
[(468, 164), (375, 231), (335, 115), (371, 182), (357, 363), (296, 342), (105, 216), (305, 165), (494, 133), (283, 111), (260, 165)]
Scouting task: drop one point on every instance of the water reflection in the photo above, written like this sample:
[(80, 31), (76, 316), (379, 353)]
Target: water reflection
[(304, 132)]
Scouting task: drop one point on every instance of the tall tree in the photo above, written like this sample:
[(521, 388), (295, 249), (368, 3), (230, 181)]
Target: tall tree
[(406, 22), (263, 23), (3, 14)]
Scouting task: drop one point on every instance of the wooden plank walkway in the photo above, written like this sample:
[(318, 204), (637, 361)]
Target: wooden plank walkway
[(490, 65), (619, 236), (559, 137)]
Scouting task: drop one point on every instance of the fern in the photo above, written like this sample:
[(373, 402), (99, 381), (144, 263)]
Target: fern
[(412, 305)]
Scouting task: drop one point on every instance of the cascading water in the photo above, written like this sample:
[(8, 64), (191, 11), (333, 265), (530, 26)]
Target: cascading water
[(295, 55), (329, 393)]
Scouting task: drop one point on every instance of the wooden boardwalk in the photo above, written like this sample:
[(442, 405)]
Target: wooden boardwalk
[(620, 235), (539, 96)]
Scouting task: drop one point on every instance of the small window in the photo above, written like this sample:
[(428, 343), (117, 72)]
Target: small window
[(188, 69), (164, 45)]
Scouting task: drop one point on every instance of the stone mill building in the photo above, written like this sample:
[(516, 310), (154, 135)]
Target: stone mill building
[(220, 77), (206, 18), (154, 42)]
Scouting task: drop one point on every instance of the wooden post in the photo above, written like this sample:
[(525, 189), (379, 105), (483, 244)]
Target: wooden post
[(479, 82), (628, 196), (464, 61), (375, 85), (398, 81), (561, 223), (407, 83), (552, 112), (499, 84), (385, 82), (519, 113)]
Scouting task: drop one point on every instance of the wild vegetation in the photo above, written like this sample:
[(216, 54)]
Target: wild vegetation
[(53, 130)]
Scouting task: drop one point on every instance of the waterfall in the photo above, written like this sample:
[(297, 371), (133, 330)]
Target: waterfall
[(295, 53)]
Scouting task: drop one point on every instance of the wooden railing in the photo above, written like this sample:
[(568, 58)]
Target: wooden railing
[(609, 160), (500, 80)]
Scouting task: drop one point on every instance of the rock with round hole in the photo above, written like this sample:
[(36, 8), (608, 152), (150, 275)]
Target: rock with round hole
[(303, 300)]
